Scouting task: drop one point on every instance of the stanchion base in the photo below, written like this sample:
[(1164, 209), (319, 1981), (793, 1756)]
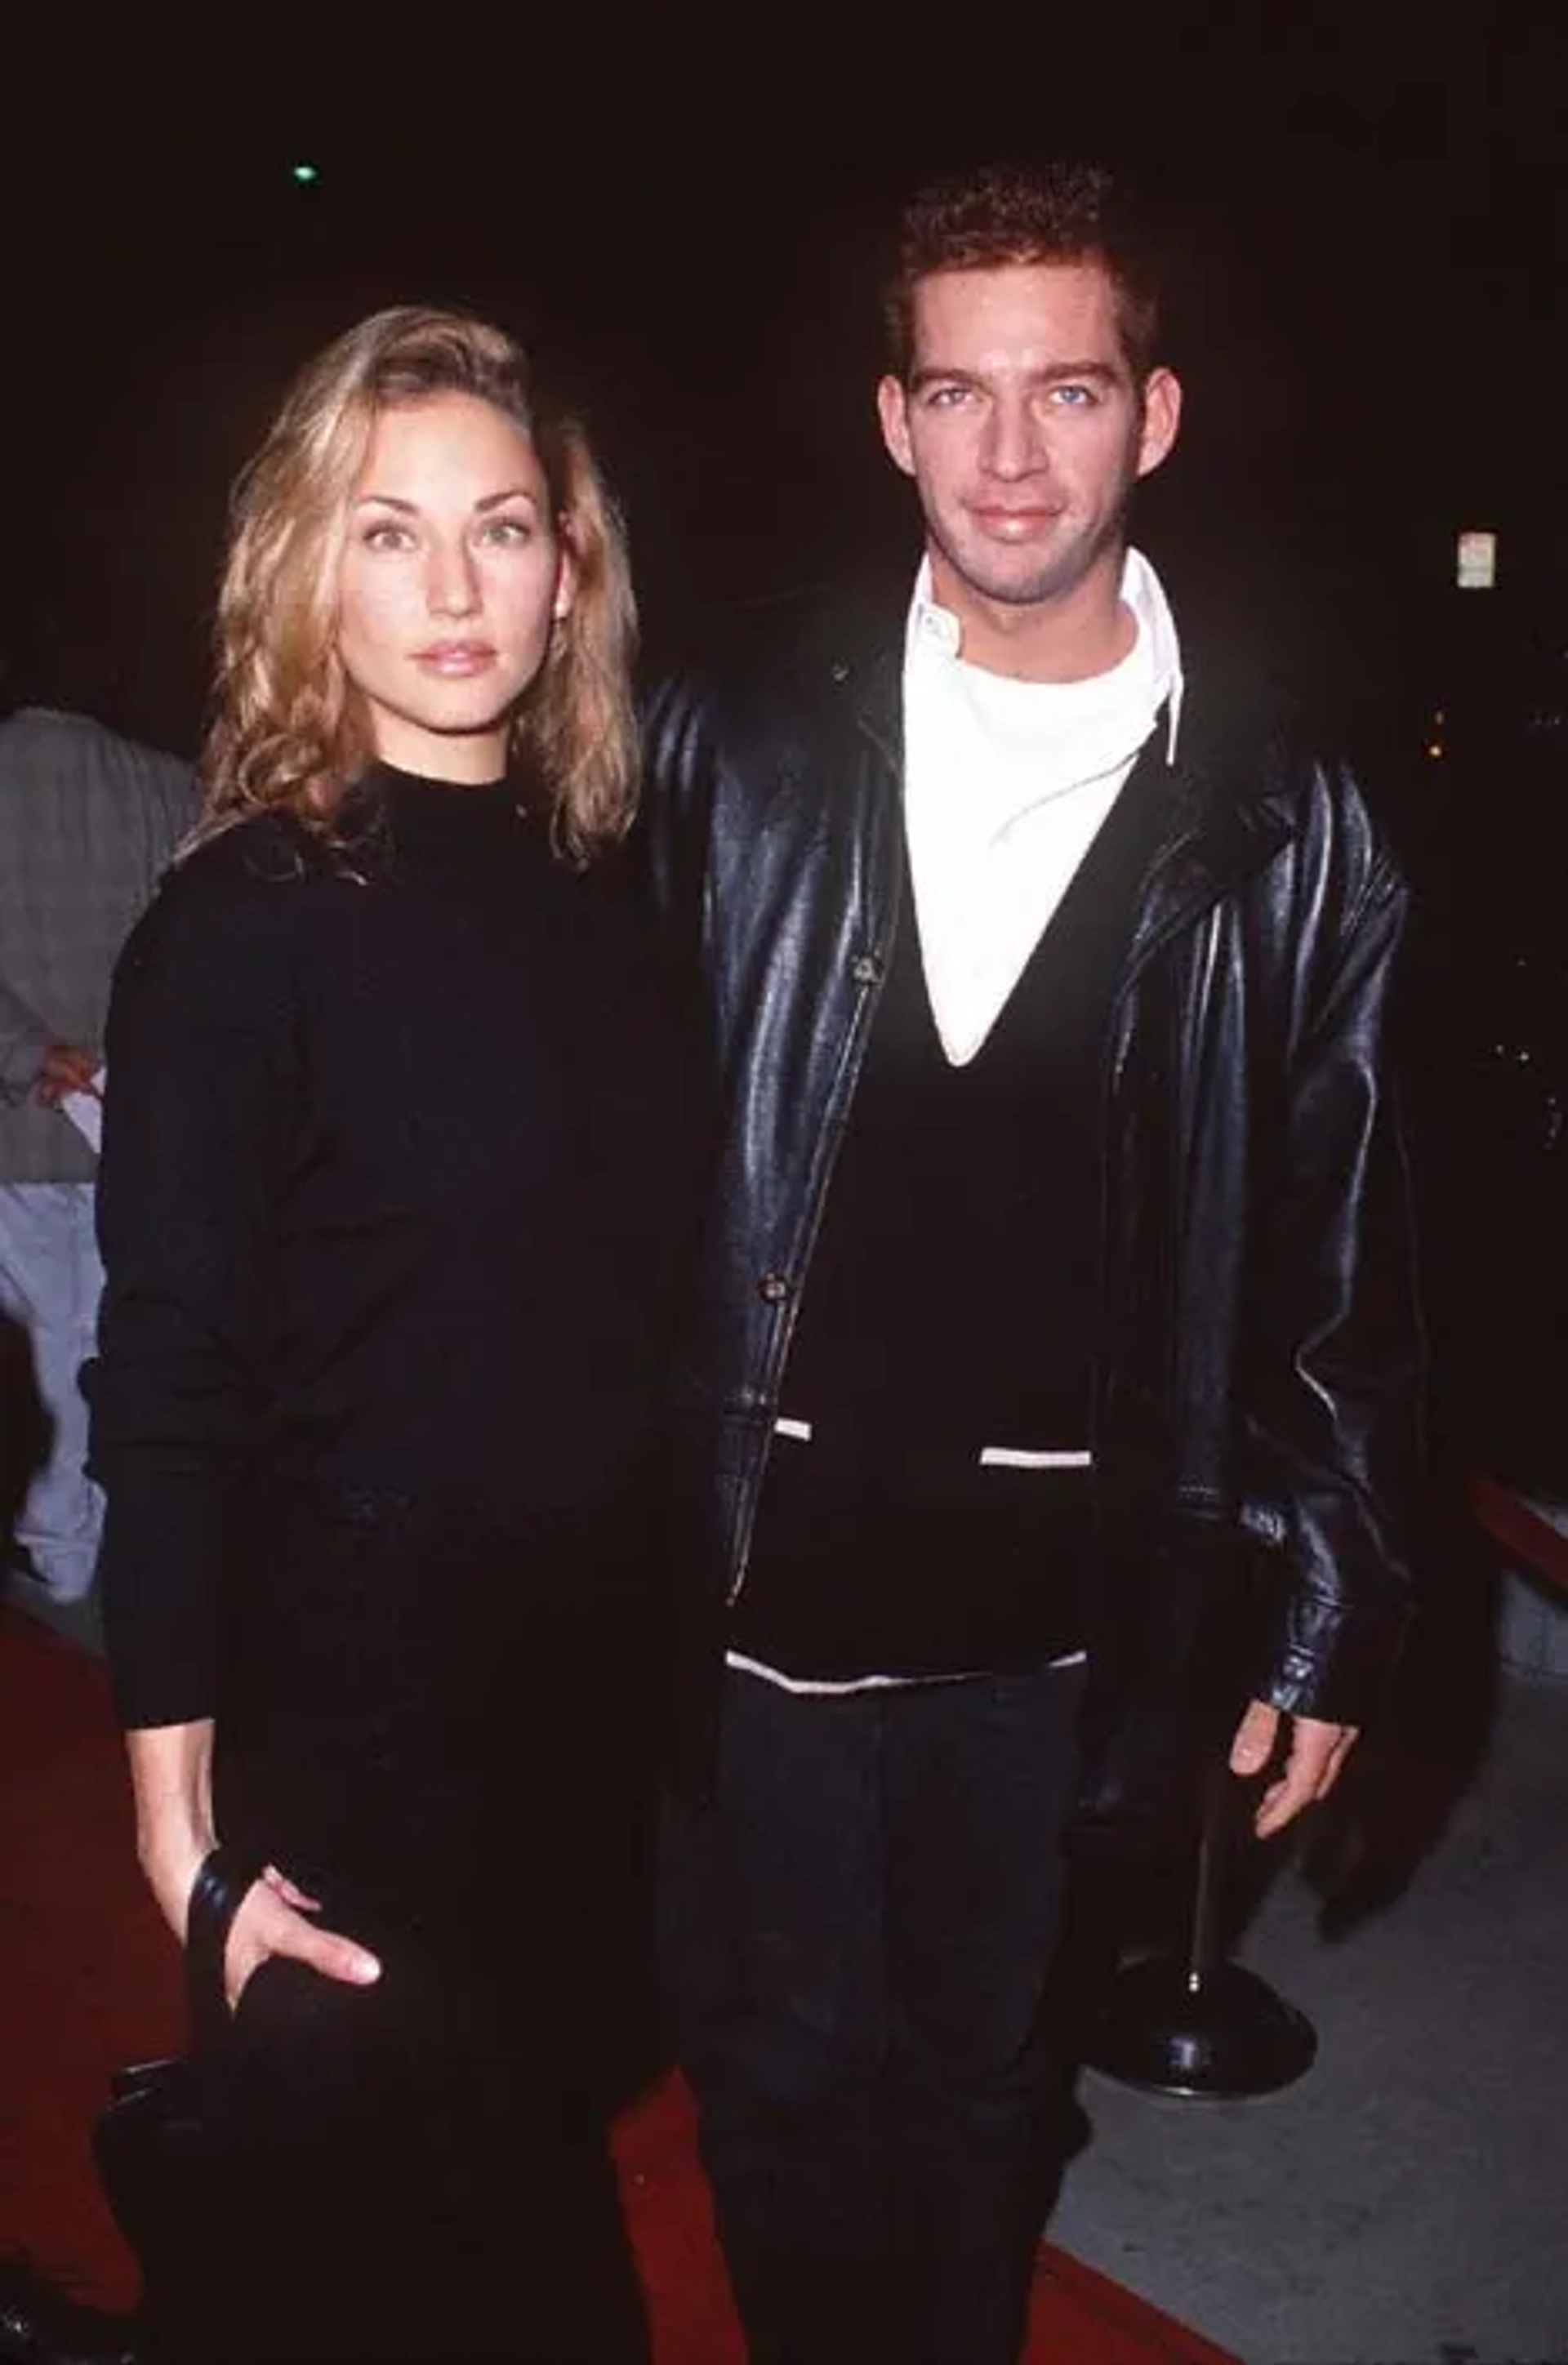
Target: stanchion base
[(1225, 2034)]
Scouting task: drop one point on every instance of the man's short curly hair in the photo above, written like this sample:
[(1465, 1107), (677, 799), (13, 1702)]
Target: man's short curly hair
[(1022, 213)]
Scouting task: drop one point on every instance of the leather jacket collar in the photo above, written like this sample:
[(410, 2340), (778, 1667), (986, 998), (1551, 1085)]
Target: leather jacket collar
[(1222, 826)]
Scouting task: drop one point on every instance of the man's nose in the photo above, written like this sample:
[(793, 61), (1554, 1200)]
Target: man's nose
[(1013, 445)]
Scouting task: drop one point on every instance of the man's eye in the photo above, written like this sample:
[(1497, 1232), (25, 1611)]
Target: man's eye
[(947, 398), (1073, 398)]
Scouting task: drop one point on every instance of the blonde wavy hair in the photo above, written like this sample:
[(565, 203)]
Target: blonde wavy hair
[(289, 732)]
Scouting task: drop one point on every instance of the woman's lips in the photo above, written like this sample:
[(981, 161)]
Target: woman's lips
[(454, 660)]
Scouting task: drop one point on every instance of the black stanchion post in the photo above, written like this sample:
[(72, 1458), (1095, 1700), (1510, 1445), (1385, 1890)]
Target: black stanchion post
[(1193, 2023)]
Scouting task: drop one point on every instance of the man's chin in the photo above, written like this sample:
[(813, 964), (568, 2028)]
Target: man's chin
[(1031, 578), (1039, 587)]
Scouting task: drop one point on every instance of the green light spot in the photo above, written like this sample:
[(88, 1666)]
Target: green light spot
[(305, 174)]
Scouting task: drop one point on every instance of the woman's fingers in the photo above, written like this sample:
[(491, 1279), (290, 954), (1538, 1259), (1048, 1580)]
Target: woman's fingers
[(291, 1894), (268, 1925)]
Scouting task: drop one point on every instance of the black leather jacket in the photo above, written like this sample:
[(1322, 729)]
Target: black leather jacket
[(1257, 1393)]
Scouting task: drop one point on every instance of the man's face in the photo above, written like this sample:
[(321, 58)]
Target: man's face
[(1024, 431)]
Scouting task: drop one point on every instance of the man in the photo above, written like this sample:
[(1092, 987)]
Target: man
[(1056, 1306), (87, 821)]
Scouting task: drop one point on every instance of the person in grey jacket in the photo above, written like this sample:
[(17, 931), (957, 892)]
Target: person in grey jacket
[(1049, 1417), (88, 822)]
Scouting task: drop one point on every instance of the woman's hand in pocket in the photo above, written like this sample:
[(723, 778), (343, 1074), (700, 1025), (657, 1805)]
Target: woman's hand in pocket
[(171, 1772), (274, 1920)]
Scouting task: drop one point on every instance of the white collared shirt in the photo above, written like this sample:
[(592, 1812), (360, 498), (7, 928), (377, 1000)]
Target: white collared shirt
[(1006, 784)]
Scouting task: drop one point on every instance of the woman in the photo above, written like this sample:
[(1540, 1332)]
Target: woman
[(394, 1159)]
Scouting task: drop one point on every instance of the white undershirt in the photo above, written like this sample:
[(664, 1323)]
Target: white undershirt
[(1006, 784)]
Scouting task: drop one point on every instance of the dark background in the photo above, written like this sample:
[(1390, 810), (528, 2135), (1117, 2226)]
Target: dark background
[(1365, 208), (1366, 211)]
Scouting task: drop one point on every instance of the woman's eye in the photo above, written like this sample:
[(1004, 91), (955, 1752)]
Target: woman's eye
[(506, 530), (386, 536)]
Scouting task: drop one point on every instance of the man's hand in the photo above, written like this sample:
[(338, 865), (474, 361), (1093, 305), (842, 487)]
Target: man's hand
[(65, 1068), (1317, 1753)]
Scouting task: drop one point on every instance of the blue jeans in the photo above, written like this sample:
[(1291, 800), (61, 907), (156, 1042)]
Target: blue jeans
[(51, 1280), (856, 1930)]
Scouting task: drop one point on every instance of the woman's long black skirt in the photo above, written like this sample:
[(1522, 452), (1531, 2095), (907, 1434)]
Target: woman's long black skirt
[(441, 1727)]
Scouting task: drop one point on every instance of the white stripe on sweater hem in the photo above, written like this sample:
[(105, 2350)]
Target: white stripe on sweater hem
[(813, 1688)]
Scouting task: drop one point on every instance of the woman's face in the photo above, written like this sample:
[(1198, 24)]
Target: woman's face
[(453, 574)]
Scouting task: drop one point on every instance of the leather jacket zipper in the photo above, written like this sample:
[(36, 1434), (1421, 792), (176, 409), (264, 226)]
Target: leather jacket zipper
[(871, 989), (1142, 955)]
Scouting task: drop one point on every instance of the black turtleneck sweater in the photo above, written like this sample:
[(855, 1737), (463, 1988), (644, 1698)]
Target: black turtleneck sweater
[(397, 1155)]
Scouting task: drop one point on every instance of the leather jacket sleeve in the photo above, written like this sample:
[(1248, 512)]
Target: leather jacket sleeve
[(677, 754), (1334, 1417)]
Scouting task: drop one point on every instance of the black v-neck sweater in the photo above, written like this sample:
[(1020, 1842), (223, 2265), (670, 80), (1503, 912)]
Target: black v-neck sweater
[(949, 1309)]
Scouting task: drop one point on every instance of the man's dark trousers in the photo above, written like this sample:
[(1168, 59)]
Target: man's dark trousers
[(858, 1927)]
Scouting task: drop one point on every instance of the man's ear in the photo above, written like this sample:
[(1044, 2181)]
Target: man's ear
[(892, 410), (1161, 419)]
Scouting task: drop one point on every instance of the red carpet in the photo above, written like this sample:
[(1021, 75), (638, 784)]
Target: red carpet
[(88, 1980)]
